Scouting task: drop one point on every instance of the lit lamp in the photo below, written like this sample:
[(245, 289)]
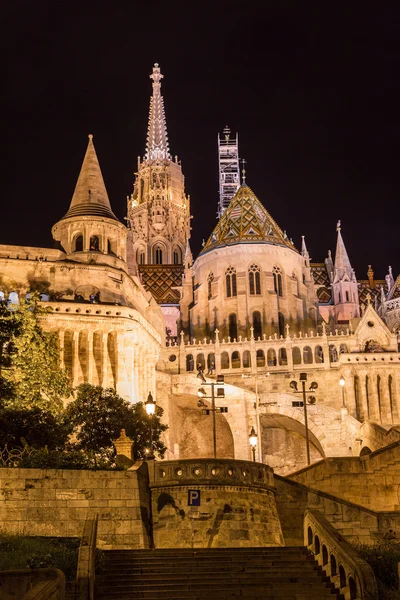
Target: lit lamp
[(150, 406), (342, 383), (253, 442)]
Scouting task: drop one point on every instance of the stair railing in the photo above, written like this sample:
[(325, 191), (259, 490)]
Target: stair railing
[(347, 570)]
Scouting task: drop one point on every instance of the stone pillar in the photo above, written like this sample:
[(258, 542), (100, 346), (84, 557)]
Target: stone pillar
[(90, 356), (363, 397), (395, 396), (253, 352), (75, 358), (182, 354), (374, 412), (105, 360), (61, 335), (217, 353), (289, 352), (386, 414), (350, 397)]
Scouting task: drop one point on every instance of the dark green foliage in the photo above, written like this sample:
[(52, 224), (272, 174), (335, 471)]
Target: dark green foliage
[(383, 558), (98, 415), (36, 427), (55, 459), (35, 552)]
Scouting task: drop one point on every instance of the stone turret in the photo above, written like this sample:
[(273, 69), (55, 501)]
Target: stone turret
[(89, 231), (344, 284)]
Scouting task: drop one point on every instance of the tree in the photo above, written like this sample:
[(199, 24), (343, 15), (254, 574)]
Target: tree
[(33, 376), (35, 427), (10, 327), (99, 414)]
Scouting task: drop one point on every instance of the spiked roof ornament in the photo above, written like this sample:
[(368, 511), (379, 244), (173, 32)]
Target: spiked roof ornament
[(157, 147), (90, 196), (342, 261)]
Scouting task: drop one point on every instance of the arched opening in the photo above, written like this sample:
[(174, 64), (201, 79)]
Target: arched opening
[(210, 279), (111, 248), (271, 358), (343, 349), (94, 245), (257, 325), (235, 360), (309, 536), (246, 359), (307, 355), (260, 358), (352, 589), (140, 256), (278, 287), (224, 360), (189, 363), (365, 450), (296, 355), (177, 256), (333, 566), (78, 243), (342, 577), (333, 355), (317, 545), (254, 280), (158, 255), (282, 357), (232, 320), (319, 354), (200, 362), (211, 363), (281, 324), (230, 280), (324, 555)]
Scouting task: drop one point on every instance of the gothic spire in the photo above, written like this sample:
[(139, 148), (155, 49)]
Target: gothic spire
[(157, 147), (342, 262), (90, 196), (304, 251)]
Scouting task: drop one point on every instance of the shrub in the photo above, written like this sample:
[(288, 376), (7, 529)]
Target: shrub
[(75, 459), (383, 557)]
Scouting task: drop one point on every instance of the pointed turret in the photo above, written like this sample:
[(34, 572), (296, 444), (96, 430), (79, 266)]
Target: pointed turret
[(157, 147), (344, 285), (90, 195)]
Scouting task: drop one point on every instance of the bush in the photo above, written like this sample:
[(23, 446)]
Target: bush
[(383, 557), (37, 553), (75, 459)]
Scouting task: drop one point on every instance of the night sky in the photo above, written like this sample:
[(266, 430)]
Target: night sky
[(312, 89)]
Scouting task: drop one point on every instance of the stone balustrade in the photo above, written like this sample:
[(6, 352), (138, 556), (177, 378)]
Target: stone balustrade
[(345, 567)]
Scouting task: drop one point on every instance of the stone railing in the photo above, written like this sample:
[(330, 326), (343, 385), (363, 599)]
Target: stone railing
[(208, 471), (345, 567), (32, 584), (86, 561)]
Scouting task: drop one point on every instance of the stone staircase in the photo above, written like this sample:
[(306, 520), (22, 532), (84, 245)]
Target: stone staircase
[(284, 573)]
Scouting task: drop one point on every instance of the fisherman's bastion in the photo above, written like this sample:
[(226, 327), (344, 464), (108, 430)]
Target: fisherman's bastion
[(135, 311)]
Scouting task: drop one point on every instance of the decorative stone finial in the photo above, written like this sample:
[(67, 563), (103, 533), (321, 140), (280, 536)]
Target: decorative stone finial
[(90, 136), (124, 445), (243, 161), (338, 226)]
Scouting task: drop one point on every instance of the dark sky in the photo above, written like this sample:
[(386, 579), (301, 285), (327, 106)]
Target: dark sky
[(312, 89)]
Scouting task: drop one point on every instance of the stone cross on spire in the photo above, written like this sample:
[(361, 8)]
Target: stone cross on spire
[(157, 147)]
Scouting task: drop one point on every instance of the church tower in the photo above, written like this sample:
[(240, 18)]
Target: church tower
[(158, 213), (344, 284)]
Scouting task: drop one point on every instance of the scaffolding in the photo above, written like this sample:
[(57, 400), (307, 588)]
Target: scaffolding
[(229, 175)]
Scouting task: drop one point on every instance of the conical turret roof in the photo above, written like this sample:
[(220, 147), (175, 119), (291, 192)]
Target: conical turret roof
[(246, 221), (342, 262), (90, 196)]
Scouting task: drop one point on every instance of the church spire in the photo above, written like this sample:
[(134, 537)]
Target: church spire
[(304, 251), (157, 147), (90, 196), (342, 261), (344, 284)]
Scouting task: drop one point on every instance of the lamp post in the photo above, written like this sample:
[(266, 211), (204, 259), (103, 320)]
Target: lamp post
[(257, 403), (201, 392), (304, 392), (253, 442), (342, 383), (150, 406)]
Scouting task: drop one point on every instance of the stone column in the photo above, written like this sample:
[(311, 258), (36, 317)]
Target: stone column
[(217, 353), (90, 356), (374, 411), (182, 354), (364, 412), (386, 412), (350, 397), (61, 335), (105, 360), (75, 358)]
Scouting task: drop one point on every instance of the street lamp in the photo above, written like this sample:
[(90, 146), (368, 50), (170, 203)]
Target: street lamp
[(253, 442), (150, 406), (201, 392), (257, 402), (342, 383), (303, 391)]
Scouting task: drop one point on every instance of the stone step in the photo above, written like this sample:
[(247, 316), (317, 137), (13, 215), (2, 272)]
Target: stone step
[(170, 588), (193, 572)]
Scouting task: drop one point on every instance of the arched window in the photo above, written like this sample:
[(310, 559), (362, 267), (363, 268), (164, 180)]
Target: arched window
[(347, 296), (296, 355), (319, 354), (211, 362), (282, 356), (333, 566), (230, 278), (200, 362), (277, 273), (255, 280), (343, 349), (246, 359), (158, 255), (260, 358), (317, 545), (324, 555), (189, 362), (281, 324), (307, 355), (295, 286), (271, 357), (140, 256), (210, 279), (177, 256), (78, 243), (309, 536), (232, 326), (94, 245), (224, 360), (235, 358), (352, 588), (342, 577), (257, 326), (333, 355)]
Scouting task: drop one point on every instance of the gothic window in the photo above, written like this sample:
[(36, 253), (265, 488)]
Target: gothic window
[(94, 243), (232, 326), (140, 257), (177, 256), (210, 279), (230, 278), (281, 324), (278, 287), (257, 326), (78, 243), (255, 280), (158, 255)]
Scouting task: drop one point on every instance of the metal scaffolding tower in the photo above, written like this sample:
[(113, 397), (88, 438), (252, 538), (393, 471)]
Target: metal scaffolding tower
[(229, 176)]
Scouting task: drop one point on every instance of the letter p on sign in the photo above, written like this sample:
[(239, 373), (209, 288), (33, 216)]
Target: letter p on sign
[(193, 497)]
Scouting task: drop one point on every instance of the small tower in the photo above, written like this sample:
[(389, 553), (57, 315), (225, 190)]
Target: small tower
[(229, 176), (344, 284), (89, 231)]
